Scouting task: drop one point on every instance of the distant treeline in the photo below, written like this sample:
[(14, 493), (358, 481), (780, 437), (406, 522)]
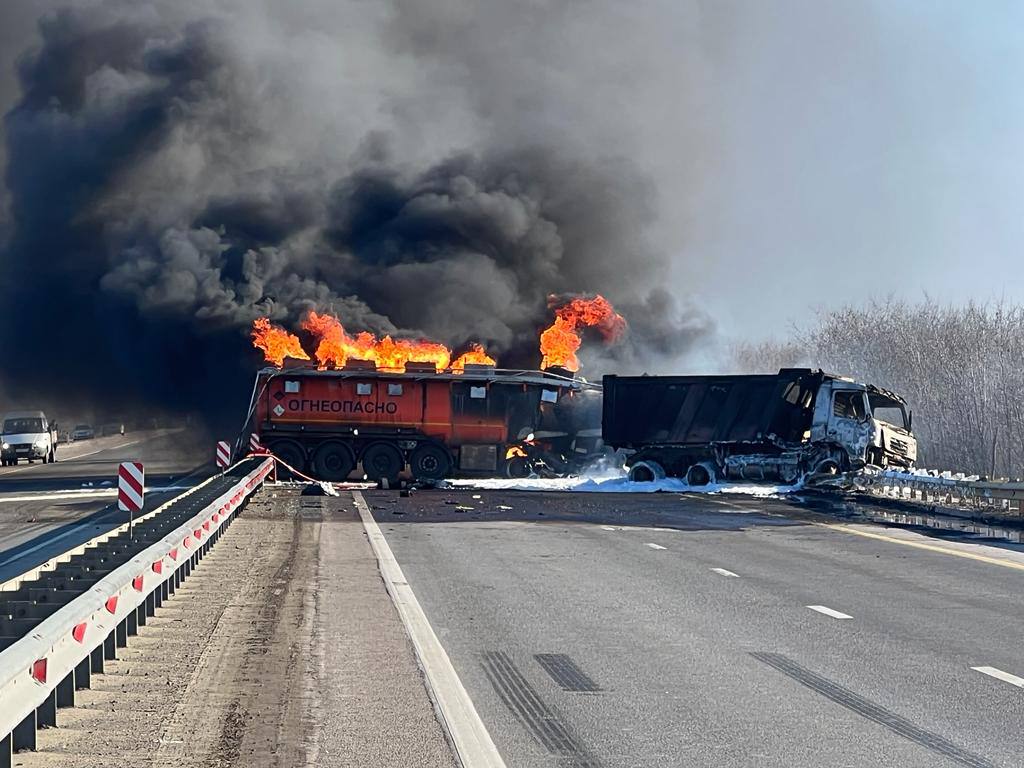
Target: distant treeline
[(960, 367)]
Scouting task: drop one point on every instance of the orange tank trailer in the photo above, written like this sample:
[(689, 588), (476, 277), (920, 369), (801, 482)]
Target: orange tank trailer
[(326, 423)]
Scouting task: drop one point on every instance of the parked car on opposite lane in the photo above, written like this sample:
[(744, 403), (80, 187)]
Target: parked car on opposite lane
[(83, 432)]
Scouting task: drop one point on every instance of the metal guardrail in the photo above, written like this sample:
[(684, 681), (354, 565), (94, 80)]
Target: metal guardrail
[(94, 598), (988, 497)]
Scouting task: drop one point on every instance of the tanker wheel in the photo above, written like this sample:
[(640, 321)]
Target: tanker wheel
[(291, 453), (333, 462), (430, 462), (517, 467), (382, 462)]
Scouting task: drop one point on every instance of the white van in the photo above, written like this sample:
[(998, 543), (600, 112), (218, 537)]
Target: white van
[(28, 435)]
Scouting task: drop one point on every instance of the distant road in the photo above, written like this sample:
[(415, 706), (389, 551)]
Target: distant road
[(48, 508), (669, 630)]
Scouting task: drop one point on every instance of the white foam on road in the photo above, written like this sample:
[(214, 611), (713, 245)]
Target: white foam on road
[(1006, 677), (829, 612), (724, 572), (654, 546), (617, 483)]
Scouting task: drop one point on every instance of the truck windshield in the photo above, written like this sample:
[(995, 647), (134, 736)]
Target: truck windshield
[(888, 410), (22, 426)]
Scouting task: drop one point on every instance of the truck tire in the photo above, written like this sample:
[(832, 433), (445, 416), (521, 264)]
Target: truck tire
[(430, 462), (518, 467), (382, 461), (290, 453), (333, 461), (698, 475), (646, 472)]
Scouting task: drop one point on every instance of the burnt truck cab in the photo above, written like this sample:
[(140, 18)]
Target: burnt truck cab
[(871, 425), (781, 426)]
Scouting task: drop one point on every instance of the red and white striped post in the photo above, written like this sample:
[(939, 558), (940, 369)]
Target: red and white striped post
[(131, 490), (255, 446), (223, 454)]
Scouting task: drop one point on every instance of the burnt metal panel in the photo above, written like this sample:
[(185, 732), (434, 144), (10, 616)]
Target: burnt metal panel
[(696, 410)]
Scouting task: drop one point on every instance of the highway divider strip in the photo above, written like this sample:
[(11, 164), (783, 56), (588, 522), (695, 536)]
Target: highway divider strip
[(50, 655), (466, 732)]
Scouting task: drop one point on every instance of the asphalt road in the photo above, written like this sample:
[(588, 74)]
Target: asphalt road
[(47, 508), (665, 630)]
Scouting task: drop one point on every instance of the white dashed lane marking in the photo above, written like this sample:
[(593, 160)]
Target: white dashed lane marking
[(724, 572), (829, 612), (1006, 677), (654, 546)]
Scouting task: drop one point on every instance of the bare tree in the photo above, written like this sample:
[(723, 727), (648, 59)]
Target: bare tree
[(960, 367)]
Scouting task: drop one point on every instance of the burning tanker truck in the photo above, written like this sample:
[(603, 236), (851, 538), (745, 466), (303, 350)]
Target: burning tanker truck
[(393, 406), (782, 427)]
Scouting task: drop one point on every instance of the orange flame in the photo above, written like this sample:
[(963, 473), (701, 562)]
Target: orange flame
[(475, 355), (560, 342), (276, 343), (335, 347), (513, 451)]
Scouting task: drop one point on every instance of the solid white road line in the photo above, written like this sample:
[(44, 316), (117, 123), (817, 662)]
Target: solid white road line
[(1006, 677), (723, 572), (829, 612), (654, 546), (86, 495), (467, 731)]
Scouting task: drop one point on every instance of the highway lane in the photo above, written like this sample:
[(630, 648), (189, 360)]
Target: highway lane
[(717, 630), (47, 508)]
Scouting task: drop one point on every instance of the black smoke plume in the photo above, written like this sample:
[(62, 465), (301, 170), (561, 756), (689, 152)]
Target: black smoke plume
[(156, 205)]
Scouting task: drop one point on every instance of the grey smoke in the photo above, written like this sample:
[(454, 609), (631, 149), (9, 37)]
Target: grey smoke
[(176, 169)]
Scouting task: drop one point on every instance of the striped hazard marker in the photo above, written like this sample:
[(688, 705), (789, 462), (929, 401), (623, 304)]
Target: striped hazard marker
[(223, 454), (255, 446), (131, 486)]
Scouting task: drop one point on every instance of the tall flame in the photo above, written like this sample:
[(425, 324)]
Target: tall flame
[(276, 343), (475, 355), (560, 342)]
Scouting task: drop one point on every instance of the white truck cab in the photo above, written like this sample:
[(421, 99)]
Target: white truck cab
[(28, 435)]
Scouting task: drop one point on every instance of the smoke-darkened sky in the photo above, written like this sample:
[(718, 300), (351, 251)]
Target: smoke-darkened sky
[(718, 169)]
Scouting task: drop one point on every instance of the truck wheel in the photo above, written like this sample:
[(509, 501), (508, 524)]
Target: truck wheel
[(517, 467), (290, 453), (333, 462), (430, 462), (698, 475), (382, 462), (646, 472)]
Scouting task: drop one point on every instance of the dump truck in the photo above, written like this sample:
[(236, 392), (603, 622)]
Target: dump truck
[(780, 427), (426, 423)]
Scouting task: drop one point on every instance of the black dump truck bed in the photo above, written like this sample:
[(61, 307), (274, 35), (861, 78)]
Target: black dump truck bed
[(697, 410)]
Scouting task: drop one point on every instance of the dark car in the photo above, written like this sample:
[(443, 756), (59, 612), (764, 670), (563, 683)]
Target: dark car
[(83, 432)]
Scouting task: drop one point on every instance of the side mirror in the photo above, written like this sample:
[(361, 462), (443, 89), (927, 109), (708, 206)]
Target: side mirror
[(910, 421)]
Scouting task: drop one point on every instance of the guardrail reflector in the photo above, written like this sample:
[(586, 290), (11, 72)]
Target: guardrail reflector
[(79, 632), (111, 604), (137, 583), (187, 543), (173, 553), (206, 525), (158, 566), (198, 533), (39, 670)]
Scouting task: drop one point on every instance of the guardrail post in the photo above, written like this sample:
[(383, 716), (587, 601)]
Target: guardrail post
[(97, 656), (46, 713), (24, 734), (140, 616), (110, 647), (121, 634), (131, 625), (83, 672), (6, 751), (66, 691)]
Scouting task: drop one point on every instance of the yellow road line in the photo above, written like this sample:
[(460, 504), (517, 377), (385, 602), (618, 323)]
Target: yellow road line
[(930, 547)]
